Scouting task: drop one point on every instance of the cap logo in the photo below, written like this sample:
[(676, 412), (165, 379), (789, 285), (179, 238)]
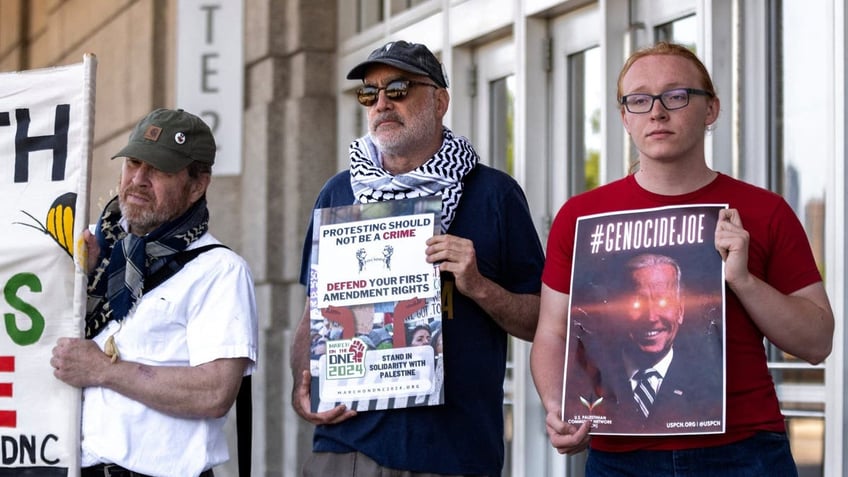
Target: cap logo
[(152, 133), (180, 138)]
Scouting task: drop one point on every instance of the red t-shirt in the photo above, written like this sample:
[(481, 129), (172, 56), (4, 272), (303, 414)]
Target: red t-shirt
[(778, 253)]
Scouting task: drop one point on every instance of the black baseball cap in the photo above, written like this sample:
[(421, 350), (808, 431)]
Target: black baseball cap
[(412, 57), (170, 140)]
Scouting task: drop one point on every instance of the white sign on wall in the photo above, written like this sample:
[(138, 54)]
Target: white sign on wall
[(210, 72)]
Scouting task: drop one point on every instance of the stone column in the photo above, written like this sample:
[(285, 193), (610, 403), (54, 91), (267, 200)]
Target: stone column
[(289, 150)]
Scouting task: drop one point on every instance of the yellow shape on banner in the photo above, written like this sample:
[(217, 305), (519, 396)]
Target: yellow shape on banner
[(60, 221)]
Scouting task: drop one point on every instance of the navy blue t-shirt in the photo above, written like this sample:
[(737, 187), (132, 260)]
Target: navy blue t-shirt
[(465, 435)]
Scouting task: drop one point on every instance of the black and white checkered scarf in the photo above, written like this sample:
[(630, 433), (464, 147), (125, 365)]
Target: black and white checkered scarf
[(442, 174)]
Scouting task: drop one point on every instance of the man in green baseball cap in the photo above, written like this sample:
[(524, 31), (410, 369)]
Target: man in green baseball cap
[(167, 342), (170, 140)]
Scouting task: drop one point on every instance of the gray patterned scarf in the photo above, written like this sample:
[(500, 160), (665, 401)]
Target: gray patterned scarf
[(442, 174)]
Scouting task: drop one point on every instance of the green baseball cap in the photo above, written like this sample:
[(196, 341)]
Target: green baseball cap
[(170, 140)]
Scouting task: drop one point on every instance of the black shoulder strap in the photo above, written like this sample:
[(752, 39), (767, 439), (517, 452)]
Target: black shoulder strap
[(175, 265), (244, 426), (244, 409)]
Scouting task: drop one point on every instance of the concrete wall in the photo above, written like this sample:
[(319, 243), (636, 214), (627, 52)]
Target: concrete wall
[(289, 148)]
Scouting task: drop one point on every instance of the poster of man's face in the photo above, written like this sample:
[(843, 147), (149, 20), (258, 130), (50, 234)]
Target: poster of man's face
[(655, 308), (647, 295)]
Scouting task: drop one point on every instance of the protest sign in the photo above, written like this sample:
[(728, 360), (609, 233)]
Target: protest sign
[(46, 119), (645, 352), (375, 306)]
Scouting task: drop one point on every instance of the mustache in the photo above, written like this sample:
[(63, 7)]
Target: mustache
[(386, 117), (137, 191)]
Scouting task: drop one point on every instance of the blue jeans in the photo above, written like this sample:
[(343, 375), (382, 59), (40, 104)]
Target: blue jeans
[(764, 454), (355, 464)]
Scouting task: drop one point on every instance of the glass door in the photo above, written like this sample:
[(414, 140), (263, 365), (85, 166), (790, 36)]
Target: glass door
[(493, 80), (580, 106), (800, 155)]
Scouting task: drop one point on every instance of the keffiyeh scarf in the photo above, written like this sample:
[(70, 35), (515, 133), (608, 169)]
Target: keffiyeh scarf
[(117, 282), (442, 174)]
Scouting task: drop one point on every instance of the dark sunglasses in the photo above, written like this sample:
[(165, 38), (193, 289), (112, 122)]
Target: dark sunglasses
[(396, 90)]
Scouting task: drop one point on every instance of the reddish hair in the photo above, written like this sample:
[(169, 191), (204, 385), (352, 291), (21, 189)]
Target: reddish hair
[(670, 49)]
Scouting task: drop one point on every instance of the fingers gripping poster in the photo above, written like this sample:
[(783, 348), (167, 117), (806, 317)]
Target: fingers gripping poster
[(375, 306), (45, 153), (645, 352)]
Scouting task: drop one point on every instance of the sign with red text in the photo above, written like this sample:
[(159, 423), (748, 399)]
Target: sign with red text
[(375, 306), (375, 260), (46, 119), (645, 352)]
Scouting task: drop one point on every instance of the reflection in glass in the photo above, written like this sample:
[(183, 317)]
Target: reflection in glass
[(509, 409), (682, 31), (401, 5), (796, 135), (368, 14), (501, 123), (584, 119), (806, 435), (798, 164), (502, 153)]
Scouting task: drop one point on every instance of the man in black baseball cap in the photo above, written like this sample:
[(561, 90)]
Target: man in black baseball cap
[(407, 153), (411, 57)]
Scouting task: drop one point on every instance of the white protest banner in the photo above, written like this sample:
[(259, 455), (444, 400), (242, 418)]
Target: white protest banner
[(46, 128)]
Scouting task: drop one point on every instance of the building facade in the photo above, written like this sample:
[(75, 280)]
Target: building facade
[(532, 84)]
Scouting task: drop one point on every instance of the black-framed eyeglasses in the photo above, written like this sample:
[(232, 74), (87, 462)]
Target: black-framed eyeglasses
[(396, 90), (640, 103)]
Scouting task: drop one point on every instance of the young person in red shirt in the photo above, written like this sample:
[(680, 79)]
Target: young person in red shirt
[(774, 289)]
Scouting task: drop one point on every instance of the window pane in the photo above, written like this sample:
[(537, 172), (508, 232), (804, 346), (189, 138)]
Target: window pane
[(370, 13), (501, 137), (807, 437), (584, 135), (501, 147), (401, 5), (682, 31), (800, 138), (798, 141), (509, 410), (798, 164)]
